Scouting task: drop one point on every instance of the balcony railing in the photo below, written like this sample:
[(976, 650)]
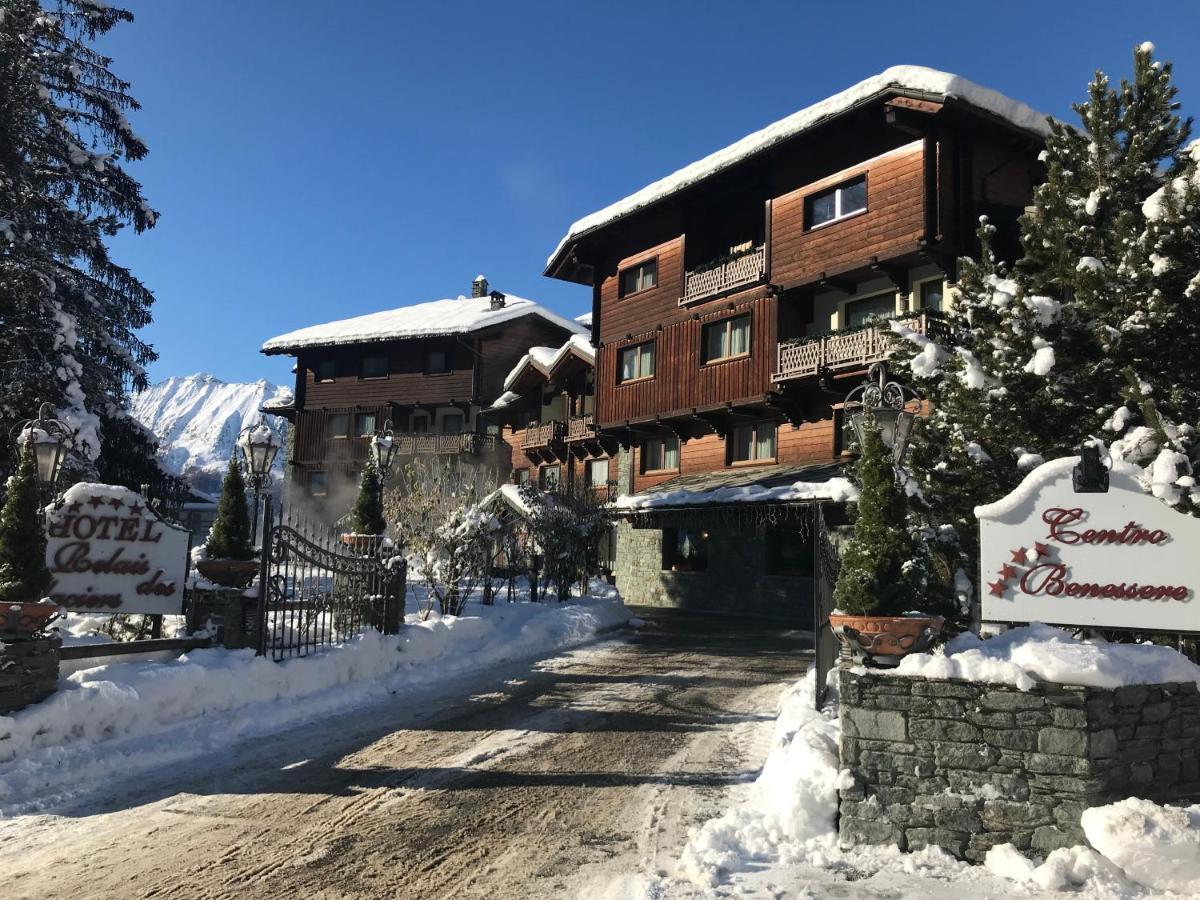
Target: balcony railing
[(538, 436), (580, 428), (745, 269), (805, 357), (469, 442)]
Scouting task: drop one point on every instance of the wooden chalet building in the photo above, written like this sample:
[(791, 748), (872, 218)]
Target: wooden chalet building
[(429, 369), (733, 306), (547, 416)]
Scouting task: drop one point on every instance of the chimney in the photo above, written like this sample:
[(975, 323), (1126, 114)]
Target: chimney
[(479, 287), (498, 299)]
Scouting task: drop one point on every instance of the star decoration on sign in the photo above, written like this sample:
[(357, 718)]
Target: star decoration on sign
[(998, 588), (1018, 555), (96, 502), (135, 509), (1042, 550), (1007, 572), (115, 503)]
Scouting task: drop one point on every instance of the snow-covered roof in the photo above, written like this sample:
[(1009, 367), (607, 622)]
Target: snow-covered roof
[(912, 79), (547, 359), (585, 319), (770, 484), (431, 319)]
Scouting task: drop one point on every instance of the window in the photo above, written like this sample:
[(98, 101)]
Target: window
[(684, 550), (318, 484), (522, 476), (637, 362), (837, 202), (726, 339), (931, 294), (364, 424), (548, 478), (752, 443), (375, 366), (324, 370), (861, 312), (640, 277), (452, 423), (789, 551), (661, 455), (437, 362), (419, 423), (337, 425), (597, 473)]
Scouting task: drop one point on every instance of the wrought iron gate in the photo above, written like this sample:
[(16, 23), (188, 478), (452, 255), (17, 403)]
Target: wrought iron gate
[(826, 571), (318, 587)]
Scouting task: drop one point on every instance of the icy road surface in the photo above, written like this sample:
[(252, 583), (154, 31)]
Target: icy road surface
[(576, 776)]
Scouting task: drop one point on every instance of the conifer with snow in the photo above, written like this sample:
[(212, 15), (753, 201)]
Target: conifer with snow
[(23, 572), (70, 312), (366, 516), (229, 537)]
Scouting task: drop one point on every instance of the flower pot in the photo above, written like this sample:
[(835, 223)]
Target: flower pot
[(236, 573), (25, 620), (884, 640), (365, 544)]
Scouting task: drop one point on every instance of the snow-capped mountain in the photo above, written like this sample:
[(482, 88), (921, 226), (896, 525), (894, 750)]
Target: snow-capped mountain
[(197, 419)]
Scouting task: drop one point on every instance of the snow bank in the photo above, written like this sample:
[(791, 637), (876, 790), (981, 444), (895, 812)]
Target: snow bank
[(1023, 656), (1155, 845), (1068, 868), (914, 79), (835, 489), (108, 720)]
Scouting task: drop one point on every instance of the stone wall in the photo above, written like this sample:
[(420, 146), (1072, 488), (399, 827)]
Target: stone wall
[(966, 766), (28, 672)]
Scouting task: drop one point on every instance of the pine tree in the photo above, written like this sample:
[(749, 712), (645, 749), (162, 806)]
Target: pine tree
[(366, 517), (885, 568), (70, 313), (23, 572), (229, 537)]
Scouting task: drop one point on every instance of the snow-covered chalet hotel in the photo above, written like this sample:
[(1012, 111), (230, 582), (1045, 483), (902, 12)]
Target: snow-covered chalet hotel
[(428, 368), (732, 310)]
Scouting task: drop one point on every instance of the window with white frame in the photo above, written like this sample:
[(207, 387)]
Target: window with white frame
[(597, 473), (752, 443), (549, 478), (661, 454), (827, 206), (639, 277), (636, 362), (726, 339)]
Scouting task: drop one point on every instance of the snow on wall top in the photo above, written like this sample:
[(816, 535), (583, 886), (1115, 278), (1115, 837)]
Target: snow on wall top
[(837, 489), (436, 317), (911, 78), (545, 359)]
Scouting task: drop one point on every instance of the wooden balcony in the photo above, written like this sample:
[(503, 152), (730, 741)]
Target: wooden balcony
[(841, 350), (539, 437), (744, 270), (469, 443), (580, 428)]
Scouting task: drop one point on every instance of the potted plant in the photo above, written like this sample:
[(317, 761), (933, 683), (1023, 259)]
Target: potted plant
[(24, 610), (229, 559), (366, 516), (886, 577)]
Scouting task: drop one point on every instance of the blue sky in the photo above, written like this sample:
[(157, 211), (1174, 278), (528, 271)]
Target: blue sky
[(314, 161)]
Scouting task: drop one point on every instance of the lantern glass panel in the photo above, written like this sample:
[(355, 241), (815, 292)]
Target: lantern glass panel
[(49, 457)]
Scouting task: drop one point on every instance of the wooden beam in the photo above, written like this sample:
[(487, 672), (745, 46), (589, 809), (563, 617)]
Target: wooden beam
[(845, 285)]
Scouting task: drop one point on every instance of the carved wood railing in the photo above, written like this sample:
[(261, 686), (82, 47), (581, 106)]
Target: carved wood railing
[(580, 428), (746, 269), (805, 357), (541, 435), (469, 442)]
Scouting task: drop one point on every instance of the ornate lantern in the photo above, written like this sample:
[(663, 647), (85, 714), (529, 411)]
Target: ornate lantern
[(51, 439), (383, 448), (260, 445), (893, 406)]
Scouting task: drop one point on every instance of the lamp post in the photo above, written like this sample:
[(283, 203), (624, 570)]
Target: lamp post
[(892, 405), (259, 446), (51, 440), (383, 449)]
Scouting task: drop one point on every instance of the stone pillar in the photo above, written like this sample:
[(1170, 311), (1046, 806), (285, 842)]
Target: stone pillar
[(232, 611), (28, 671)]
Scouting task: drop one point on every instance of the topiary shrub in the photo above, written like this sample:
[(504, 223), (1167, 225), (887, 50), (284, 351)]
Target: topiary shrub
[(229, 537), (366, 517)]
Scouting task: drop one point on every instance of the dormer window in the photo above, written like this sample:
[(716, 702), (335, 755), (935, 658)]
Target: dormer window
[(639, 277), (836, 203)]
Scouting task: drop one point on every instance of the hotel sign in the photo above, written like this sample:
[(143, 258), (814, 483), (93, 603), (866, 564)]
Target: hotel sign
[(108, 552), (1119, 559)]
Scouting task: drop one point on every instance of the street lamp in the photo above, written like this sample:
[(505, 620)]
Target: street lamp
[(50, 438), (383, 448), (893, 407), (260, 445)]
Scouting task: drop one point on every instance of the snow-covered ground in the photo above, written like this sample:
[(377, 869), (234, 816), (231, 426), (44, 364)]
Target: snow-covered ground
[(778, 838), (124, 717), (197, 418)]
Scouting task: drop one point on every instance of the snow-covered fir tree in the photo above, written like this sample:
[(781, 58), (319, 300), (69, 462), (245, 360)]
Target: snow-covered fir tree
[(69, 312), (1095, 332)]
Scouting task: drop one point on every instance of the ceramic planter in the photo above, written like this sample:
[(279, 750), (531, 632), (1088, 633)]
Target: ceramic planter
[(885, 640), (235, 573), (25, 620)]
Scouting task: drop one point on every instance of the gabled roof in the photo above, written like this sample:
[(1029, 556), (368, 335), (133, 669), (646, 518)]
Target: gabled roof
[(907, 80), (431, 319), (547, 360)]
